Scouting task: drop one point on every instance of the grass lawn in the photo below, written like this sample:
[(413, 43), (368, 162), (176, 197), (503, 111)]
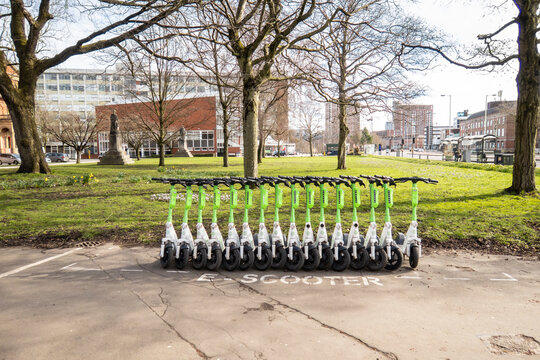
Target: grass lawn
[(467, 204)]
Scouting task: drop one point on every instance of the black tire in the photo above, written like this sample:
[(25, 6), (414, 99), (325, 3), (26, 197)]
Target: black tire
[(247, 260), (1, 162), (396, 261), (234, 260), (361, 260), (298, 259), (343, 261), (200, 261), (183, 258), (327, 258), (266, 259), (168, 253), (313, 260), (414, 256), (279, 261), (15, 162), (214, 262), (58, 161), (380, 260)]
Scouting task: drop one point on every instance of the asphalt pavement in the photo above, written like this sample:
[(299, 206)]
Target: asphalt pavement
[(108, 302)]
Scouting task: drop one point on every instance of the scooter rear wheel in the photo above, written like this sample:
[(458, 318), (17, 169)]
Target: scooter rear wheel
[(361, 260), (343, 261), (215, 260), (234, 260), (414, 256), (396, 259), (281, 258), (313, 260), (247, 260), (266, 258), (380, 260), (327, 258), (167, 255), (183, 258), (200, 261), (297, 261)]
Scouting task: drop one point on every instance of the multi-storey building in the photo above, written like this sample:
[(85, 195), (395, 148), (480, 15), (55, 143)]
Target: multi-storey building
[(331, 135), (498, 120), (413, 125)]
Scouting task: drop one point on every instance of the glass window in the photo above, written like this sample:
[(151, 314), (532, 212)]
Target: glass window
[(90, 77), (78, 77), (52, 87), (65, 87), (50, 76), (64, 76)]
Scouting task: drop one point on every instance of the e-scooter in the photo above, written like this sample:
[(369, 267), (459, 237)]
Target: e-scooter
[(215, 244), (279, 254), (312, 258), (342, 258), (263, 254), (231, 258), (200, 249), (323, 245), (295, 257), (169, 243), (410, 244), (354, 240), (377, 255), (246, 239)]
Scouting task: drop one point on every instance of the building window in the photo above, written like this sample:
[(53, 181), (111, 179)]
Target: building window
[(90, 77), (103, 139), (52, 87), (50, 76), (64, 76), (65, 87), (78, 77), (200, 140)]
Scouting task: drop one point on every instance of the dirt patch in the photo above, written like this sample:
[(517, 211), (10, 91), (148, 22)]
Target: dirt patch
[(512, 344)]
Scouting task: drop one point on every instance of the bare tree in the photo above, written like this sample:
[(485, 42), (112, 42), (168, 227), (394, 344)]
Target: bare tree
[(23, 46), (309, 121), (71, 130), (356, 63), (256, 33), (133, 134), (273, 112), (495, 52)]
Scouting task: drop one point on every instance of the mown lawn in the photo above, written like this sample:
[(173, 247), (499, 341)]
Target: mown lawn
[(468, 203)]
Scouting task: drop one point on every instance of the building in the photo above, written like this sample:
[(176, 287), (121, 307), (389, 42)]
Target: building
[(196, 115), (7, 137), (441, 132), (499, 119), (331, 135), (413, 125)]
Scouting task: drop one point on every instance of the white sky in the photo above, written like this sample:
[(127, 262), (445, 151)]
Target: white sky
[(462, 20)]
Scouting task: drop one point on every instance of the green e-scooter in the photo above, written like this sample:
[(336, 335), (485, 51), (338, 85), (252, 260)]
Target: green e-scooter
[(312, 258), (279, 254), (231, 258), (322, 241), (295, 256), (342, 258), (410, 244), (246, 239), (263, 254), (215, 244)]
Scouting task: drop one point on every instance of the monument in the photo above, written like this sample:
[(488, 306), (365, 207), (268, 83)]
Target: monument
[(116, 154), (182, 149)]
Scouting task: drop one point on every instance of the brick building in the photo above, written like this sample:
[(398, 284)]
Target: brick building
[(499, 120), (7, 133), (413, 124), (331, 135), (196, 115)]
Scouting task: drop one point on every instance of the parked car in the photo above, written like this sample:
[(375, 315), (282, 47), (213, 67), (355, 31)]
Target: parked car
[(57, 157), (10, 159)]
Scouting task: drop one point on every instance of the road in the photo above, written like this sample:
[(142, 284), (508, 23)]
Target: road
[(107, 302)]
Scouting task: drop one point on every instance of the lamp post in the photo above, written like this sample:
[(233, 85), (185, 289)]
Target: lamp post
[(485, 114), (449, 109)]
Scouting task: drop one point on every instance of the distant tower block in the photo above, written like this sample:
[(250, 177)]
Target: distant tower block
[(116, 155)]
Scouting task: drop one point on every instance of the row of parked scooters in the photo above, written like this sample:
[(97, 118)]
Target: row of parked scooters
[(309, 252)]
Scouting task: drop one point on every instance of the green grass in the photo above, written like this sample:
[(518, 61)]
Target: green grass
[(468, 203)]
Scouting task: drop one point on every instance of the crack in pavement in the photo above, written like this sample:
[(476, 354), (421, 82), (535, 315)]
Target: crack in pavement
[(164, 301), (388, 355)]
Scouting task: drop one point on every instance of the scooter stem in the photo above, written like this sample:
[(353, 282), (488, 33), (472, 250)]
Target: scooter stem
[(202, 203), (340, 202), (388, 201), (279, 201), (414, 200), (310, 201), (264, 201), (356, 201), (172, 203), (217, 201), (248, 202), (374, 198), (324, 200), (295, 202), (233, 203), (187, 204)]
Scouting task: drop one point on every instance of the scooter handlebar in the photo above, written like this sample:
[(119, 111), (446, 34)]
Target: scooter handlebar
[(353, 179), (416, 179), (386, 179)]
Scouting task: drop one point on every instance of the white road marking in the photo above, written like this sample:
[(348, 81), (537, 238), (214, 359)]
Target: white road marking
[(178, 271), (22, 268), (80, 268), (136, 270), (407, 277), (70, 265), (508, 278), (462, 279)]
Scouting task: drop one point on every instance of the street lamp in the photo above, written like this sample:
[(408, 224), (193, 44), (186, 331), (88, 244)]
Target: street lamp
[(485, 114), (449, 109)]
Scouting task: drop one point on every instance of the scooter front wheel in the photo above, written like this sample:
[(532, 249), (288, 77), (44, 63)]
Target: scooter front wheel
[(297, 261), (414, 256), (380, 260), (396, 259), (247, 260), (167, 255), (199, 262), (281, 258), (313, 260), (266, 258), (215, 260), (327, 258), (343, 261), (183, 258), (234, 260), (361, 260)]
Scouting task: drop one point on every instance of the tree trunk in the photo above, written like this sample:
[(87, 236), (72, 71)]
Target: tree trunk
[(22, 112), (310, 146), (161, 154), (78, 161), (225, 145), (343, 133), (138, 152), (523, 177), (250, 117), (279, 149), (260, 149)]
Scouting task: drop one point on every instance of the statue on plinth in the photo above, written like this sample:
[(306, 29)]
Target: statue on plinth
[(116, 154), (182, 141)]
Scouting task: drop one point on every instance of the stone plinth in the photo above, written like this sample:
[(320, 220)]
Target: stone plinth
[(116, 155)]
